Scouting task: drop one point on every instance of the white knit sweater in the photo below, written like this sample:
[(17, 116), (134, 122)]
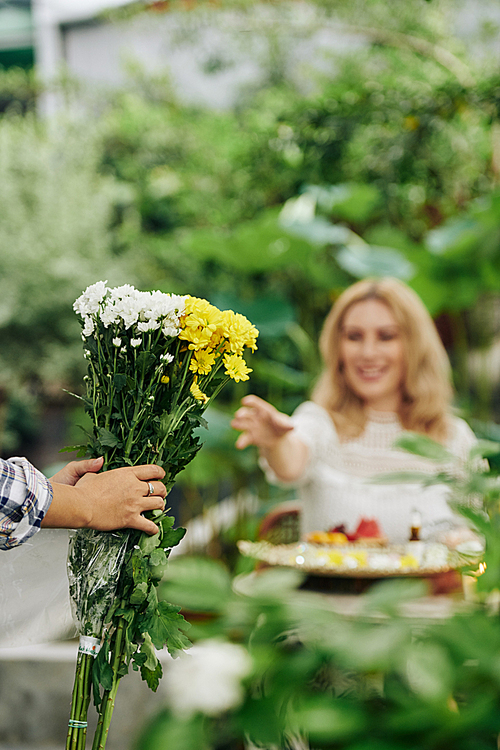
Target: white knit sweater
[(335, 487)]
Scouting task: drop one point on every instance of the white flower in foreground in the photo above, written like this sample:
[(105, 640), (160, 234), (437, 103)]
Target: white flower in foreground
[(207, 678), (117, 342), (135, 342), (167, 357), (88, 302)]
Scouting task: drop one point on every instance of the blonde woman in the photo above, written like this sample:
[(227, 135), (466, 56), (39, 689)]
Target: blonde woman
[(385, 371)]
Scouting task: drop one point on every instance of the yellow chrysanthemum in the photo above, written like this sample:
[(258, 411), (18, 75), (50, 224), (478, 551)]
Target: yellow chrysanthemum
[(236, 367), (165, 379), (202, 361), (197, 393), (199, 323), (239, 332)]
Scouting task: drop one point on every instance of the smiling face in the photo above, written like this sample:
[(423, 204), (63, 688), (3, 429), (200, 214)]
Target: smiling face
[(372, 354)]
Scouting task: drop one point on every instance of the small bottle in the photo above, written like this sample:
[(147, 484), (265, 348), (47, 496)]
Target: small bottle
[(415, 526)]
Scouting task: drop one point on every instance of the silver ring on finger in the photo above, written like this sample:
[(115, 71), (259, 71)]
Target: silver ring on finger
[(151, 489)]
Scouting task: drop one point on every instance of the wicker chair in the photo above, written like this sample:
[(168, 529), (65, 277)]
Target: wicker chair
[(282, 524)]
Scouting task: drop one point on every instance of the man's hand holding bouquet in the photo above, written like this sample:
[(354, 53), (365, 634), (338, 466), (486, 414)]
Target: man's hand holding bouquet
[(155, 362)]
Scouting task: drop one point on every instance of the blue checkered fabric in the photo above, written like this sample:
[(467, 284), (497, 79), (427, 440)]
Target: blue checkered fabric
[(25, 496)]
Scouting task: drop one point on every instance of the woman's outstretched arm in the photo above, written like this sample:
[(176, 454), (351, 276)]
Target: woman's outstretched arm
[(261, 424)]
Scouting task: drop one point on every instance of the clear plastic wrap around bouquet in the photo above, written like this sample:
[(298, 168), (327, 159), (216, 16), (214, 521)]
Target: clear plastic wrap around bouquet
[(155, 362)]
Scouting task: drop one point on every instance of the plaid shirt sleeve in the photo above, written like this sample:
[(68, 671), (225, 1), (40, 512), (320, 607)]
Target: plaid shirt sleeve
[(25, 496)]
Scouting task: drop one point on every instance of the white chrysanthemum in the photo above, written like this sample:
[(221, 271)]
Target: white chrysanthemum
[(119, 292), (88, 326), (169, 329), (108, 316), (148, 325), (129, 310), (164, 310), (179, 302), (167, 357), (88, 302), (208, 678), (117, 342), (135, 342)]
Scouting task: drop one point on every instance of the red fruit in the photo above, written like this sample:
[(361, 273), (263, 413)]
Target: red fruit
[(368, 528), (338, 529)]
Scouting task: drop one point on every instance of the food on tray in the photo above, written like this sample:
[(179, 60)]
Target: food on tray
[(326, 537), (367, 533)]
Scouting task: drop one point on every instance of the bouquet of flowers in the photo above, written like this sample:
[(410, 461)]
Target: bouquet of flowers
[(155, 362)]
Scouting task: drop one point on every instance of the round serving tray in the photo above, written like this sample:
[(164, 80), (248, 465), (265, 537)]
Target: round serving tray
[(415, 559)]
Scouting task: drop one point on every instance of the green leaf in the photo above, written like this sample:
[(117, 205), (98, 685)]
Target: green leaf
[(327, 721), (152, 677), (102, 674), (165, 627), (198, 584), (365, 260), (172, 538), (456, 237), (428, 669), (107, 439), (158, 557), (148, 543), (119, 381), (404, 477), (127, 614), (318, 231), (351, 202), (275, 583), (81, 450), (139, 593), (152, 600), (148, 651), (388, 596), (145, 361), (421, 445), (485, 449), (166, 730), (197, 420)]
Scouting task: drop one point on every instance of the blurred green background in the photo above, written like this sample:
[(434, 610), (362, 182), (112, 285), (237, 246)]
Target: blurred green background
[(383, 159), (386, 162)]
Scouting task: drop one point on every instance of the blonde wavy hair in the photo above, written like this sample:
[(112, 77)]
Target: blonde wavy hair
[(426, 391)]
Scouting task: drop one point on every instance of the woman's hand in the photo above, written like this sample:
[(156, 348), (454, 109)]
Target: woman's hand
[(273, 433), (111, 500), (260, 423)]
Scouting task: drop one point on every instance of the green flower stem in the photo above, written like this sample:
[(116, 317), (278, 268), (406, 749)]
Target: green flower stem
[(217, 391), (185, 370), (76, 736), (177, 419), (108, 701), (137, 410)]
